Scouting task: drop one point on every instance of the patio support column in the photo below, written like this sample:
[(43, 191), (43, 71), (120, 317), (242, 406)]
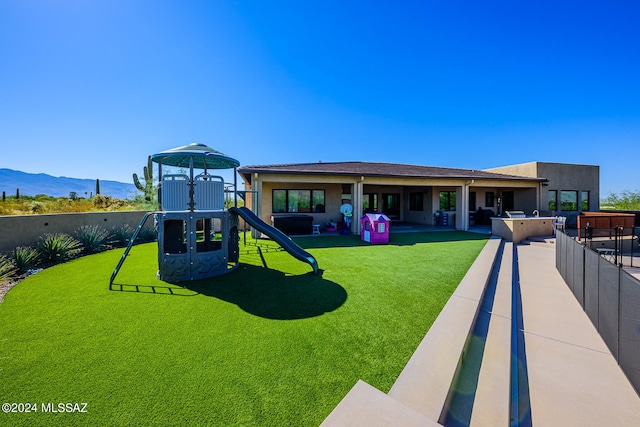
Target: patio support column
[(257, 202), (358, 188), (464, 208)]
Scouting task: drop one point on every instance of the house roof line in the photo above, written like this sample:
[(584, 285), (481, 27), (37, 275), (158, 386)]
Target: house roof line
[(381, 169)]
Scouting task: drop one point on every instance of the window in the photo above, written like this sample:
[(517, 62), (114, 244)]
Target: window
[(553, 200), (472, 201), (568, 200), (448, 200), (291, 201), (416, 201), (298, 201), (370, 202), (585, 200), (488, 199), (317, 200), (279, 201)]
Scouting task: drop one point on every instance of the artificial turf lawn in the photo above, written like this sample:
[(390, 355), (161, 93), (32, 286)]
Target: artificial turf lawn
[(260, 346)]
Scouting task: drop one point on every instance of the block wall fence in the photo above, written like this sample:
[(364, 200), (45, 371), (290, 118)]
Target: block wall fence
[(25, 230)]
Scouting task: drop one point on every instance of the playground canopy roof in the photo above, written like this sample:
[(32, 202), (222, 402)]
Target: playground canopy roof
[(204, 157)]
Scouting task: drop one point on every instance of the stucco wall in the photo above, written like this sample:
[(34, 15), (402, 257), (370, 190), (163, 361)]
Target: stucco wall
[(25, 230), (524, 199), (561, 176), (518, 229), (424, 216)]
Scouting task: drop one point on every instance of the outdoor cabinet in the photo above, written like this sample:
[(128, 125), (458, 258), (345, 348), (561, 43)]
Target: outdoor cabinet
[(293, 225)]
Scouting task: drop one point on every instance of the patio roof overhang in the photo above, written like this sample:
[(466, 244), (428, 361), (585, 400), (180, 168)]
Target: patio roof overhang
[(381, 170)]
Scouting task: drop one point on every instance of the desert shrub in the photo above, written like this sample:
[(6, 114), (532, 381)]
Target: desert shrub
[(6, 209), (120, 235), (141, 203), (37, 207), (627, 200), (7, 269), (62, 205), (93, 238), (58, 247), (102, 201), (24, 258)]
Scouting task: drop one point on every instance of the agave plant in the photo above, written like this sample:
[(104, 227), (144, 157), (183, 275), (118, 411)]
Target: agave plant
[(24, 258), (7, 269), (58, 247), (120, 235), (148, 234), (93, 238)]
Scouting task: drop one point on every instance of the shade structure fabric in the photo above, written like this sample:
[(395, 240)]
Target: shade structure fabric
[(204, 157)]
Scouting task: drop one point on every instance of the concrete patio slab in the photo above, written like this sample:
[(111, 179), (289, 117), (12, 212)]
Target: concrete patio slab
[(573, 378), (366, 406)]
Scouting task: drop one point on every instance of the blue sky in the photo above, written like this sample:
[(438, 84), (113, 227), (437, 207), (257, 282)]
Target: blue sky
[(88, 89)]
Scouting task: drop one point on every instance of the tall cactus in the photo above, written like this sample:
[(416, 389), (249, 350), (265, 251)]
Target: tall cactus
[(97, 187), (147, 188)]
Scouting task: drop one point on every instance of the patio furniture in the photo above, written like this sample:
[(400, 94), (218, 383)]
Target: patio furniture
[(559, 223), (607, 253)]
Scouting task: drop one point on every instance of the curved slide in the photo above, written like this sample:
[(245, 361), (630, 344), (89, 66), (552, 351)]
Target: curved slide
[(277, 235)]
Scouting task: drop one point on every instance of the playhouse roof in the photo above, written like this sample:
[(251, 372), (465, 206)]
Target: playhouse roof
[(372, 217), (204, 157)]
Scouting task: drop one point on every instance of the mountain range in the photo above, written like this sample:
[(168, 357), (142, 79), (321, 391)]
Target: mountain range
[(31, 184)]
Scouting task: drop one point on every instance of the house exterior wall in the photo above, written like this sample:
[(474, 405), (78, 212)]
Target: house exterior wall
[(572, 177), (332, 194), (561, 176), (525, 200), (481, 198), (336, 185), (424, 216)]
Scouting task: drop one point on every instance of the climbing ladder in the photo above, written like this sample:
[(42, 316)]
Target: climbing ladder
[(126, 251)]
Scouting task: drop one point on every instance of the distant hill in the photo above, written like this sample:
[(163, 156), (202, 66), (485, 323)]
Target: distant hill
[(31, 184)]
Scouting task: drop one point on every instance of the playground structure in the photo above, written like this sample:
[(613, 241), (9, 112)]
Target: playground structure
[(198, 237)]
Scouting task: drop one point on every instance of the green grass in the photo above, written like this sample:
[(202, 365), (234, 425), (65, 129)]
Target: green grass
[(260, 346)]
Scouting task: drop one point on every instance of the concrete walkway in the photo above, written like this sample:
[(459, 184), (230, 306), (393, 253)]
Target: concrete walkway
[(573, 378)]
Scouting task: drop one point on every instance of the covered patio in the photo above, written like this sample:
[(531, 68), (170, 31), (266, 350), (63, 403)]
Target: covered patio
[(423, 196)]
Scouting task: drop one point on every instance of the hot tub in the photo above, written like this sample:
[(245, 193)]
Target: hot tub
[(292, 225)]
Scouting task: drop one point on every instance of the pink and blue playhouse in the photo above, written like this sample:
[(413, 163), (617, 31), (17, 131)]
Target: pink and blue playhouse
[(198, 237), (375, 228)]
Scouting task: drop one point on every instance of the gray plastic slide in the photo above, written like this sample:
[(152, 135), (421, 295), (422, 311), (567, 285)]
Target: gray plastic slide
[(277, 235)]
